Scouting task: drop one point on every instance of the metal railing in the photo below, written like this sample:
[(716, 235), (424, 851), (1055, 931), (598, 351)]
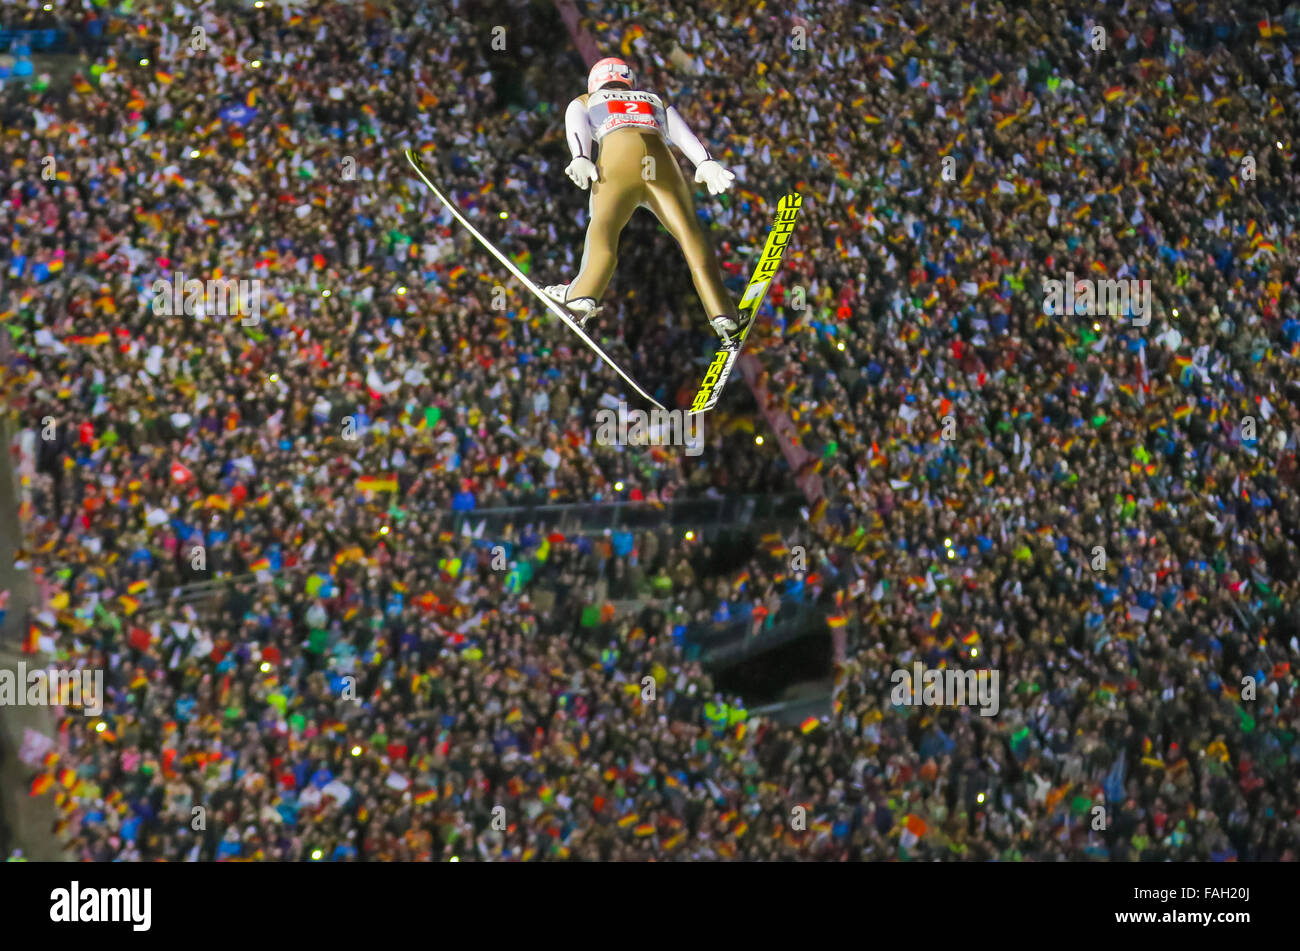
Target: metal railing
[(699, 514), (695, 513), (727, 643)]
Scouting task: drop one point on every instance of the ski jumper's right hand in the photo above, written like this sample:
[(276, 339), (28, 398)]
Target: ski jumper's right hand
[(583, 171), (707, 169), (713, 175)]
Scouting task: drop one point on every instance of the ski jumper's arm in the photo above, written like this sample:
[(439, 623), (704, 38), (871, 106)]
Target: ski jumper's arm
[(707, 168), (680, 135), (577, 129)]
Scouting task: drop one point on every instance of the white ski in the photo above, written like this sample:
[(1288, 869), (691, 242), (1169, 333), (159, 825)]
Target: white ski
[(553, 306)]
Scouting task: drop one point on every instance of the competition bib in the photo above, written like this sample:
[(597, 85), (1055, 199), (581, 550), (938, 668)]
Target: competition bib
[(609, 110)]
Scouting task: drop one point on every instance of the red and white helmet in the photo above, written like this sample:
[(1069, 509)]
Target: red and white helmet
[(611, 69)]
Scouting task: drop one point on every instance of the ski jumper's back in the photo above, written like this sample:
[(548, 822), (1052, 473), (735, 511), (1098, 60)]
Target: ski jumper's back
[(611, 109), (639, 171)]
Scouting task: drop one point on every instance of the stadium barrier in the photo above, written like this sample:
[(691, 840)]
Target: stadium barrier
[(694, 513), (698, 514)]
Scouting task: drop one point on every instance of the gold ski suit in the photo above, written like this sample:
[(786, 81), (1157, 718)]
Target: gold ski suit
[(637, 170)]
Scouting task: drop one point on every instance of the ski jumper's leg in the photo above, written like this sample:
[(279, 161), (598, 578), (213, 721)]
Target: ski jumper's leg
[(614, 196), (670, 200)]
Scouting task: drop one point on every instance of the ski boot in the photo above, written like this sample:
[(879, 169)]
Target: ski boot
[(727, 329), (583, 309)]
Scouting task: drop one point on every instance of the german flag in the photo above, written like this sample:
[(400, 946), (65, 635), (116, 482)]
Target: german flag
[(1183, 411), (129, 605), (262, 564), (136, 587), (1113, 93), (634, 33), (808, 725), (377, 484), (355, 553), (163, 77), (837, 621), (628, 820), (41, 783), (936, 617), (989, 477), (80, 85), (425, 797), (643, 830)]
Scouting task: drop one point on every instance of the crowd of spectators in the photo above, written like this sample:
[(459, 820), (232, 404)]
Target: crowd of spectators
[(1101, 508), (1077, 503)]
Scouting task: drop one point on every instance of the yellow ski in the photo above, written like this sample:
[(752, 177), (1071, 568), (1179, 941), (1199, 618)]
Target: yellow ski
[(715, 378)]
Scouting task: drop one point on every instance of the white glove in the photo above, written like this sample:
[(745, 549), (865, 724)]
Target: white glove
[(582, 170), (714, 175)]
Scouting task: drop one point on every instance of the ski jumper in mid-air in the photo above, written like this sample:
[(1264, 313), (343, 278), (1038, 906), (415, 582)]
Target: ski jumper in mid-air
[(630, 126)]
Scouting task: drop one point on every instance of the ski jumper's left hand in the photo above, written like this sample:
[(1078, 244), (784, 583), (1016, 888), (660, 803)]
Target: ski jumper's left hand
[(577, 133), (582, 171)]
